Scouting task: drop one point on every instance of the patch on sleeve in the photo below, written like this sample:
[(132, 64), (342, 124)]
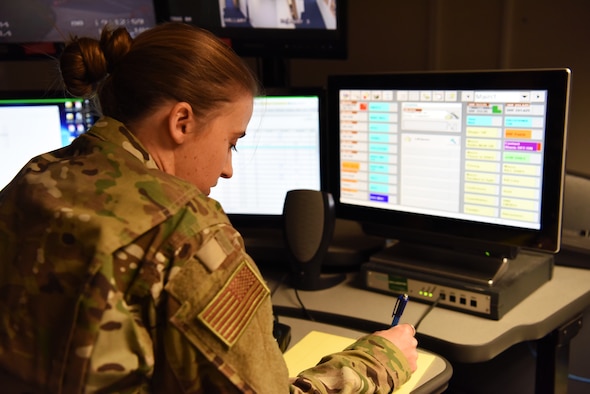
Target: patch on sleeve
[(230, 312), (214, 251)]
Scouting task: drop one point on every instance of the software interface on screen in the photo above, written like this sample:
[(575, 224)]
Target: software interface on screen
[(474, 155), (280, 152), (29, 127)]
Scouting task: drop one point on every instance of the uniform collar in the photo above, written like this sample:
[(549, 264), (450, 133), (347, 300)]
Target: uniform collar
[(109, 129)]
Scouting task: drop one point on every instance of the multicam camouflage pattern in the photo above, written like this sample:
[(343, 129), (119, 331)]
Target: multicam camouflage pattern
[(112, 276), (370, 365)]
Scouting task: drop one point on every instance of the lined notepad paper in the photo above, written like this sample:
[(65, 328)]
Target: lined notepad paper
[(309, 351)]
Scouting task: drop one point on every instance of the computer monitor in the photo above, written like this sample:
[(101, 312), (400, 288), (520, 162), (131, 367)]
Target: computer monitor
[(30, 28), (34, 122), (469, 162), (282, 151), (285, 149)]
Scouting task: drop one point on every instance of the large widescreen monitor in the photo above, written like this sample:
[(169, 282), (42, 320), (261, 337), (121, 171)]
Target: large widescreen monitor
[(31, 28), (297, 28), (466, 161)]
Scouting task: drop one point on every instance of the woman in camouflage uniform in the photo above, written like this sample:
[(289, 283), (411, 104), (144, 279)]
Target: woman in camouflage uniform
[(119, 274)]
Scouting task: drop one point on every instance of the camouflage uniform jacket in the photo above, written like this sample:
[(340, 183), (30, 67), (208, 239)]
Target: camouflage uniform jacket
[(117, 277)]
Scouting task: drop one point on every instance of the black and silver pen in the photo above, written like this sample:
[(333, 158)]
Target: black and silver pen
[(398, 309)]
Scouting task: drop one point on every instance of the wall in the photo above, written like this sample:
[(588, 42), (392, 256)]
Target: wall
[(389, 35)]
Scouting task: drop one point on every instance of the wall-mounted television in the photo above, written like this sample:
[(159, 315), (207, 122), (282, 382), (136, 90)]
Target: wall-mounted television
[(37, 28), (281, 28), (467, 161)]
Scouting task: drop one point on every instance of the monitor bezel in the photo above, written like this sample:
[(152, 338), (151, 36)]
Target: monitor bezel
[(451, 233)]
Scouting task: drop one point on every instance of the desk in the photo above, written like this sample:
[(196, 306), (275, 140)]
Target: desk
[(551, 316)]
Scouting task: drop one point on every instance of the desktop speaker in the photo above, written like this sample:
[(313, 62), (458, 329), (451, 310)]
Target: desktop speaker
[(308, 227)]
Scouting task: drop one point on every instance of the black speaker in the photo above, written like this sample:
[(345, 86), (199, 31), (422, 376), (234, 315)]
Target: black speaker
[(308, 227)]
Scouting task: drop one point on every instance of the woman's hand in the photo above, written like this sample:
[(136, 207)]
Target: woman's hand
[(402, 336)]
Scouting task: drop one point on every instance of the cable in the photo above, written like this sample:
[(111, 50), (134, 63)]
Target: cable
[(303, 308), (329, 316), (274, 290), (430, 308)]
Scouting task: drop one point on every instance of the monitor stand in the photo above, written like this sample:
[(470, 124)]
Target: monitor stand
[(274, 72)]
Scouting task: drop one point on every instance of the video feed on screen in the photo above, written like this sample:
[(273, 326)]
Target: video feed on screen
[(291, 14)]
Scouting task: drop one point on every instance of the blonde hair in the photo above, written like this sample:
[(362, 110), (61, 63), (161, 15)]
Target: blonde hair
[(170, 61)]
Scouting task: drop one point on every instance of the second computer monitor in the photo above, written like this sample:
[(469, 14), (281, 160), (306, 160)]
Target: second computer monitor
[(281, 151)]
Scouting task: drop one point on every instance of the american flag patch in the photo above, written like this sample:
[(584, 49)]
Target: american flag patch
[(228, 314)]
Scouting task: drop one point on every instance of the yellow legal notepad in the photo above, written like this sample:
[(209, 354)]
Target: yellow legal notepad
[(309, 351)]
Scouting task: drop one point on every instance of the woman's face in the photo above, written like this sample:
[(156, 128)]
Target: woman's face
[(208, 154)]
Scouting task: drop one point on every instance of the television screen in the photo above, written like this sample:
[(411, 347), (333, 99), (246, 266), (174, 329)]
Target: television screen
[(472, 161), (32, 123), (296, 28), (34, 27)]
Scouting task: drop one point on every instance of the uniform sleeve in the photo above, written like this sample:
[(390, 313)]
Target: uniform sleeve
[(370, 365)]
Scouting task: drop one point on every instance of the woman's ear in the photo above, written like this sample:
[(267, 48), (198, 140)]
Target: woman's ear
[(180, 121)]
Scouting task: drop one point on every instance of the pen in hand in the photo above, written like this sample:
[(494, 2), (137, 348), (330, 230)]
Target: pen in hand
[(398, 309)]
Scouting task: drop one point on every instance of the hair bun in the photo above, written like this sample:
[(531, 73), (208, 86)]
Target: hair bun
[(115, 44), (85, 62)]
